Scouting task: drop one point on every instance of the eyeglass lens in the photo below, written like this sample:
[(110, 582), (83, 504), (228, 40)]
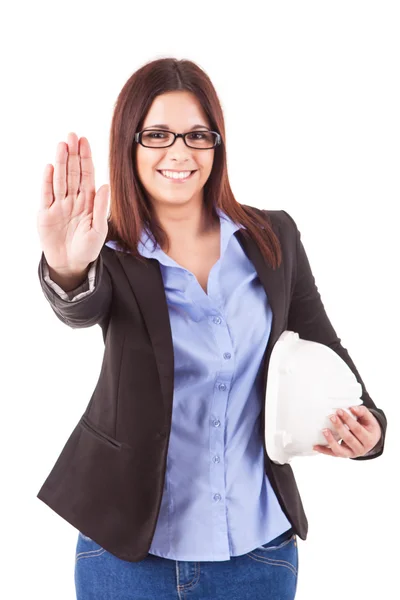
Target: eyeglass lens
[(196, 139)]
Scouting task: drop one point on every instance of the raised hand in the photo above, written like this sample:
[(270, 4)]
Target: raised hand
[(72, 218)]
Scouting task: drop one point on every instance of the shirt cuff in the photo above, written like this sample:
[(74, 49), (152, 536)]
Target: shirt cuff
[(84, 289)]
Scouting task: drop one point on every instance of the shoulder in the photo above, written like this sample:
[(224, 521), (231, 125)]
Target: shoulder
[(280, 220), (283, 219)]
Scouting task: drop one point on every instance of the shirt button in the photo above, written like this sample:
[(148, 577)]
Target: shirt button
[(222, 387), (217, 320), (227, 355), (217, 423), (216, 459), (217, 497)]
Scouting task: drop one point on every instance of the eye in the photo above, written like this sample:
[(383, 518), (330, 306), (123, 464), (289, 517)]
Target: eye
[(154, 135), (198, 135)]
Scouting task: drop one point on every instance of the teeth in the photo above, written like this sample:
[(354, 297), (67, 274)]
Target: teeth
[(176, 174)]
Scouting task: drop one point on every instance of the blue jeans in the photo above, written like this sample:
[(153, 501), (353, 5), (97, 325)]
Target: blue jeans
[(269, 571)]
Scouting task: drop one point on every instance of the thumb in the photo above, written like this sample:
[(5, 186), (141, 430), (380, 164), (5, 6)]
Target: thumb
[(100, 209)]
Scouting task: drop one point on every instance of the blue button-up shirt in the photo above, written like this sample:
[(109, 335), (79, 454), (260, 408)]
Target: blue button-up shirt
[(217, 500)]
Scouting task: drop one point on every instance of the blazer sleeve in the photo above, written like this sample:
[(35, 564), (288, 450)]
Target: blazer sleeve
[(87, 305), (307, 316)]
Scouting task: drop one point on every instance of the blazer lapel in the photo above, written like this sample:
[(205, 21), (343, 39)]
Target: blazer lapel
[(272, 282), (148, 287)]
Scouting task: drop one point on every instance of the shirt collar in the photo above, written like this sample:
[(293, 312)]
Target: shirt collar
[(146, 245)]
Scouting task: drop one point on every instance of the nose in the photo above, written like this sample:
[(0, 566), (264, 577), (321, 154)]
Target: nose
[(178, 148), (179, 152)]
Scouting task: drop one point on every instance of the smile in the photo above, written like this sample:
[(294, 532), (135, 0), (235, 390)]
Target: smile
[(177, 176)]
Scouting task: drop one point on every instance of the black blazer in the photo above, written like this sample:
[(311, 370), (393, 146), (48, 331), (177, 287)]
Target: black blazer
[(109, 478)]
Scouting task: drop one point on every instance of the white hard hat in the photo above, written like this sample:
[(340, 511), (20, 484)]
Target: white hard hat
[(307, 381)]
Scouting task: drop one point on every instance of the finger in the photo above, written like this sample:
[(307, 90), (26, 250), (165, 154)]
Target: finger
[(324, 450), (364, 416), (335, 446), (347, 436), (87, 169), (100, 208), (356, 429), (60, 172), (73, 165), (46, 196)]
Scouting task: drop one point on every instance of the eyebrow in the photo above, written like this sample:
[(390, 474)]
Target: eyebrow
[(164, 126)]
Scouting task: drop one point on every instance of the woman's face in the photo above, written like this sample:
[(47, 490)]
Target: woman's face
[(179, 111)]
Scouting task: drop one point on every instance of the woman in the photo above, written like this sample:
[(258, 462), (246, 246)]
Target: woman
[(166, 476)]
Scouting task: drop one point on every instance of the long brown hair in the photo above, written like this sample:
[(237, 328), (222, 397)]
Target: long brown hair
[(130, 209)]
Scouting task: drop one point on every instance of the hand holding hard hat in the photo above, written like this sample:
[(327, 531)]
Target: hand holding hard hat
[(307, 383), (357, 438)]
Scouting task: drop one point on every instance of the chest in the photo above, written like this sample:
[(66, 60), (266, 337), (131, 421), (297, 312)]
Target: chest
[(198, 259)]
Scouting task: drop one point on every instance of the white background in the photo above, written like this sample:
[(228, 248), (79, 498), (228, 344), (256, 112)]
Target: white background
[(310, 93)]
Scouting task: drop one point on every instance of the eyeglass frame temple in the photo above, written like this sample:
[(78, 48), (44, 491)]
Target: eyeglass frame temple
[(176, 135)]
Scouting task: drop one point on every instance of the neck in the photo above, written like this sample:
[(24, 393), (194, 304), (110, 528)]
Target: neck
[(187, 225)]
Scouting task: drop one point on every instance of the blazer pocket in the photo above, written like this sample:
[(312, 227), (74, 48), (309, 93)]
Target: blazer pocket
[(104, 437)]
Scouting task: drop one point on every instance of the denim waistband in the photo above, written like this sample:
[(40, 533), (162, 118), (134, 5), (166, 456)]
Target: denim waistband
[(281, 538)]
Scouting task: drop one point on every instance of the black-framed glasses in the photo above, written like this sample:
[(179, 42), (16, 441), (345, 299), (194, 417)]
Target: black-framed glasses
[(202, 139)]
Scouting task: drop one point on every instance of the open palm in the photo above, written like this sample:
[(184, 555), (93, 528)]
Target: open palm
[(72, 218)]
